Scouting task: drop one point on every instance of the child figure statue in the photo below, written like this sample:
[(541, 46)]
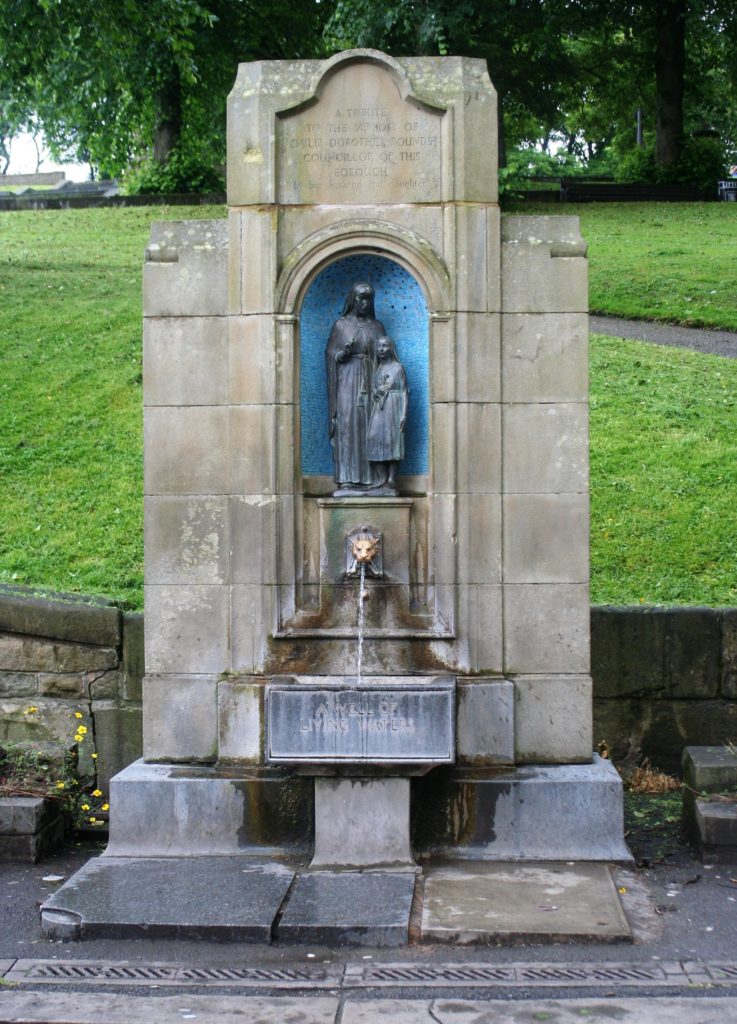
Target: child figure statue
[(385, 438)]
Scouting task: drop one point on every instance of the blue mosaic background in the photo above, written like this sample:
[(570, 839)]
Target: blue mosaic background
[(400, 305)]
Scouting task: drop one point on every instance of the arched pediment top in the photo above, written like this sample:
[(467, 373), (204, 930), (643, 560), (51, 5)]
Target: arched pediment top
[(349, 237), (348, 59)]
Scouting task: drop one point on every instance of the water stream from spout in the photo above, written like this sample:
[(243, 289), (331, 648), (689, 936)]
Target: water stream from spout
[(361, 585)]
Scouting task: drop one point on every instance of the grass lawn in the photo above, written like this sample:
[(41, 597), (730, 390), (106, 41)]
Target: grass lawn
[(664, 526), (675, 262)]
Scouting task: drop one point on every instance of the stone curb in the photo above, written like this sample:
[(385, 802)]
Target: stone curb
[(59, 616)]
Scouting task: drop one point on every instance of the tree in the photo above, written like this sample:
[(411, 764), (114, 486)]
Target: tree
[(120, 78)]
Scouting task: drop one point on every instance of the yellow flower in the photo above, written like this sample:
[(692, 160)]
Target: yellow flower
[(105, 807), (61, 785), (78, 714), (79, 739), (93, 821), (85, 807), (31, 711), (97, 792), (82, 729), (93, 756)]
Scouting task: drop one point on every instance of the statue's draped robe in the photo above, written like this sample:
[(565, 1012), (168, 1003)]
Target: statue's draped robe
[(349, 396), (385, 439)]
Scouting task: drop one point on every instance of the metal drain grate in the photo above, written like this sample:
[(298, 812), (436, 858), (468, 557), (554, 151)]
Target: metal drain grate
[(169, 974), (540, 975)]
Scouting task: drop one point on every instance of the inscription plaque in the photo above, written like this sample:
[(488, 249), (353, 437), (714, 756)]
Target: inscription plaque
[(382, 721), (360, 142)]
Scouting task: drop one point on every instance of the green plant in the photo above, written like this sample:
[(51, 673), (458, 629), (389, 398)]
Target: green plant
[(182, 173), (26, 770), (701, 164)]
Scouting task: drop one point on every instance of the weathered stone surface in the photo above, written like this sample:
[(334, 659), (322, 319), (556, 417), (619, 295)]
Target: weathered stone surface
[(544, 357), (546, 628), (185, 361), (692, 653), (545, 448), (25, 815), (546, 538), (478, 445), (18, 684), (544, 269), (187, 539), (717, 829), (515, 902), (349, 908), (253, 261), (471, 274), (240, 714), (394, 720), (185, 450), (105, 685), (118, 739), (253, 364), (32, 847), (659, 729), (52, 722), (186, 629), (262, 459), (119, 897), (58, 684), (710, 769), (20, 653), (185, 270), (535, 812), (729, 652), (257, 540), (627, 651), (250, 622), (553, 720), (228, 811), (479, 538), (485, 722), (477, 360), (361, 823), (133, 655), (61, 616), (180, 719)]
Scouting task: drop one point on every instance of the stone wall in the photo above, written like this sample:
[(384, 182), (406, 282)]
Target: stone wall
[(61, 655), (664, 678)]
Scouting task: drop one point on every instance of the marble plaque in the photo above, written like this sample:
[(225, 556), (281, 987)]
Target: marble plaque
[(392, 722), (360, 142)]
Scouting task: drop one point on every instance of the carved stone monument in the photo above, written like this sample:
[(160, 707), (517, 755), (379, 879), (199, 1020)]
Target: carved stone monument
[(365, 611)]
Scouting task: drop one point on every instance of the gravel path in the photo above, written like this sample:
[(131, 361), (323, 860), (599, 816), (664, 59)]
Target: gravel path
[(718, 343)]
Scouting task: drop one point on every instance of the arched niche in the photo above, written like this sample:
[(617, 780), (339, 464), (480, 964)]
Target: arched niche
[(401, 306)]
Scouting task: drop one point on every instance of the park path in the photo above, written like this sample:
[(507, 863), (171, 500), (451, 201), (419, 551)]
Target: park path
[(717, 343)]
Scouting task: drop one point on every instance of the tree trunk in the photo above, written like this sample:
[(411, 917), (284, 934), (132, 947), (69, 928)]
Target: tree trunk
[(168, 127), (670, 60), (500, 140)]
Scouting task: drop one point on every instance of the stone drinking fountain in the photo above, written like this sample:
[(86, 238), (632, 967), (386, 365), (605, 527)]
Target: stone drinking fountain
[(411, 459)]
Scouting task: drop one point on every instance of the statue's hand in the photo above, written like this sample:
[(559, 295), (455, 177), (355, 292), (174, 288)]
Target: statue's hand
[(331, 429)]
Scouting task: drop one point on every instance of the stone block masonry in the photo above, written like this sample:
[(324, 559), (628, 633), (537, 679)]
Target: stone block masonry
[(62, 654), (663, 678)]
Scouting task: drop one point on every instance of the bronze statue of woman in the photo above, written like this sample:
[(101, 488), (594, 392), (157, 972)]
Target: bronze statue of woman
[(350, 358)]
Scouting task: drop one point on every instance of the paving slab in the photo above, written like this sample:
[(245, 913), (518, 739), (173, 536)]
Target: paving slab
[(347, 908), (220, 898), (479, 903), (5, 966), (113, 1008), (552, 1011)]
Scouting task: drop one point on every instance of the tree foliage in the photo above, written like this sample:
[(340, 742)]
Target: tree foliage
[(112, 79), (115, 81)]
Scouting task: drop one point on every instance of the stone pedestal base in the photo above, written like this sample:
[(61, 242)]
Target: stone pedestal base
[(530, 813), (362, 823), (170, 810)]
